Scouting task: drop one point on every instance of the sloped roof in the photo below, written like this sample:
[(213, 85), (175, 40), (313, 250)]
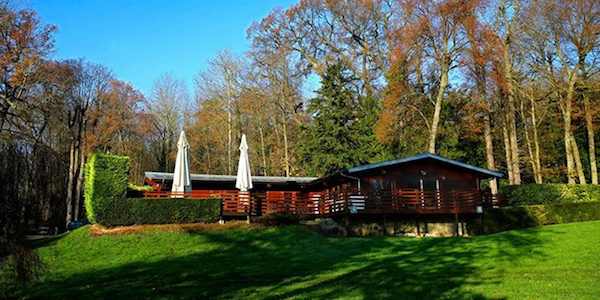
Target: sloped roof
[(314, 180), (425, 155), (231, 178)]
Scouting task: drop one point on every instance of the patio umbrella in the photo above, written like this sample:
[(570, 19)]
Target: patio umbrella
[(181, 177), (244, 178)]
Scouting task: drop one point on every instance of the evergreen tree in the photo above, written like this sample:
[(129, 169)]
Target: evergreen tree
[(341, 133)]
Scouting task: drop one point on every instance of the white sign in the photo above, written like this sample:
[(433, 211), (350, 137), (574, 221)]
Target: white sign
[(479, 209)]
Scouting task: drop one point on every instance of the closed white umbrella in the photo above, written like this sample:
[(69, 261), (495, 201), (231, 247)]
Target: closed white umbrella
[(244, 179), (181, 177)]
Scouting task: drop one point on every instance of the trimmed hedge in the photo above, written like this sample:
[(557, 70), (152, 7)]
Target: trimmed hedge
[(509, 218), (550, 193), (106, 203), (129, 211), (137, 191), (106, 179)]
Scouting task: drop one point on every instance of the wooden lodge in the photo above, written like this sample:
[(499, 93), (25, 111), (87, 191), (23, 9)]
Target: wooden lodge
[(421, 184)]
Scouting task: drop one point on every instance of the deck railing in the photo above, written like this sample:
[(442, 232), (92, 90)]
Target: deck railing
[(345, 200)]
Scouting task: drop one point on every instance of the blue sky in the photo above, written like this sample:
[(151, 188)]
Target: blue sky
[(139, 40)]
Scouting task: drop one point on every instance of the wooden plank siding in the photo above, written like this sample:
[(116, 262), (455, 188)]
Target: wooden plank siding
[(343, 199)]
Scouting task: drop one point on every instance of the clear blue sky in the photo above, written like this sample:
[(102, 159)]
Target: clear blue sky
[(139, 40)]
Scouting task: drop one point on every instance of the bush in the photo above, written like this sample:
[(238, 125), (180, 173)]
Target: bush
[(106, 202), (509, 218), (550, 193), (278, 219), (105, 183), (137, 191), (128, 211)]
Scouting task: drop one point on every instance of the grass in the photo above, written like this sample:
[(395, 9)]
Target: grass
[(555, 262)]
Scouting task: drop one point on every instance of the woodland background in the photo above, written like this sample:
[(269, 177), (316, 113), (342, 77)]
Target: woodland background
[(508, 85)]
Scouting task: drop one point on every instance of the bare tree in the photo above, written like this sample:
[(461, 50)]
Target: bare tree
[(89, 82), (168, 97), (223, 81)]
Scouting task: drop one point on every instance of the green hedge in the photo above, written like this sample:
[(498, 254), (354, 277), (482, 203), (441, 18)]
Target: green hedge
[(130, 211), (550, 193), (106, 179), (106, 203), (509, 218), (137, 191)]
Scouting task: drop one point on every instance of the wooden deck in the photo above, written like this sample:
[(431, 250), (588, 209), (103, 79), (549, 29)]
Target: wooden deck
[(345, 201)]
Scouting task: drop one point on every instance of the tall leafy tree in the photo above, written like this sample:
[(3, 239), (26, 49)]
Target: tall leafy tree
[(341, 134)]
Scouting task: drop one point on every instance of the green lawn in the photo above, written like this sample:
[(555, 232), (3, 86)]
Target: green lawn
[(556, 262)]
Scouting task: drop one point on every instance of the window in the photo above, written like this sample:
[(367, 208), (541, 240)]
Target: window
[(382, 184)]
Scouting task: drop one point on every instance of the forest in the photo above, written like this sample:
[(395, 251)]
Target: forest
[(509, 85)]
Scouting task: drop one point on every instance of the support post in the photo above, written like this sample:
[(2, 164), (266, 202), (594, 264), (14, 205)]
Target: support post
[(456, 217), (346, 210), (456, 223), (418, 225)]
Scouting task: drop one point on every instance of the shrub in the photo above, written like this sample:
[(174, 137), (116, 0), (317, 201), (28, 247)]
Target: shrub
[(550, 193), (128, 211), (137, 191), (105, 183), (106, 202), (509, 218), (278, 219)]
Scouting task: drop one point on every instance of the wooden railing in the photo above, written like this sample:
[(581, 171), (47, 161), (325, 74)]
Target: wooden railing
[(341, 201)]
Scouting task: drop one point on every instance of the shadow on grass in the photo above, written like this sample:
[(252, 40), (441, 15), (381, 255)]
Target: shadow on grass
[(293, 262)]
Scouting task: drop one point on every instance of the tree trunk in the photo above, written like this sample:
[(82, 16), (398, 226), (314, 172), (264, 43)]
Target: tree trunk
[(229, 124), (571, 174), (528, 140), (591, 142), (438, 109), (577, 159), (73, 163), (508, 153), (512, 123), (262, 145), (534, 165), (489, 150), (566, 112), (536, 144), (77, 213), (285, 147)]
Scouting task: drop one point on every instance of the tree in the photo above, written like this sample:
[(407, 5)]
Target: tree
[(321, 32), (281, 86), (90, 81), (341, 133), (479, 52), (165, 106), (223, 82), (564, 42), (24, 44), (119, 125)]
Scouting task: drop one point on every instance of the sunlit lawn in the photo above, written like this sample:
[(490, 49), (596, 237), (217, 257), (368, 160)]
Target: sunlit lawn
[(556, 262)]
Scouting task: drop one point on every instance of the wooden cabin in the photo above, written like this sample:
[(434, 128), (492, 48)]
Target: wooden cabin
[(420, 184)]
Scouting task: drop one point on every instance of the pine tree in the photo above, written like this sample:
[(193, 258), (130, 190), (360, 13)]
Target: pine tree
[(341, 133)]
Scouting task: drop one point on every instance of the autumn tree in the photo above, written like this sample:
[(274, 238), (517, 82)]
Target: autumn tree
[(508, 19), (322, 32), (24, 43), (479, 52), (281, 85), (223, 82), (119, 125)]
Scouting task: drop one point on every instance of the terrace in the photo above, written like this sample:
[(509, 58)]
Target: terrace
[(422, 184)]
